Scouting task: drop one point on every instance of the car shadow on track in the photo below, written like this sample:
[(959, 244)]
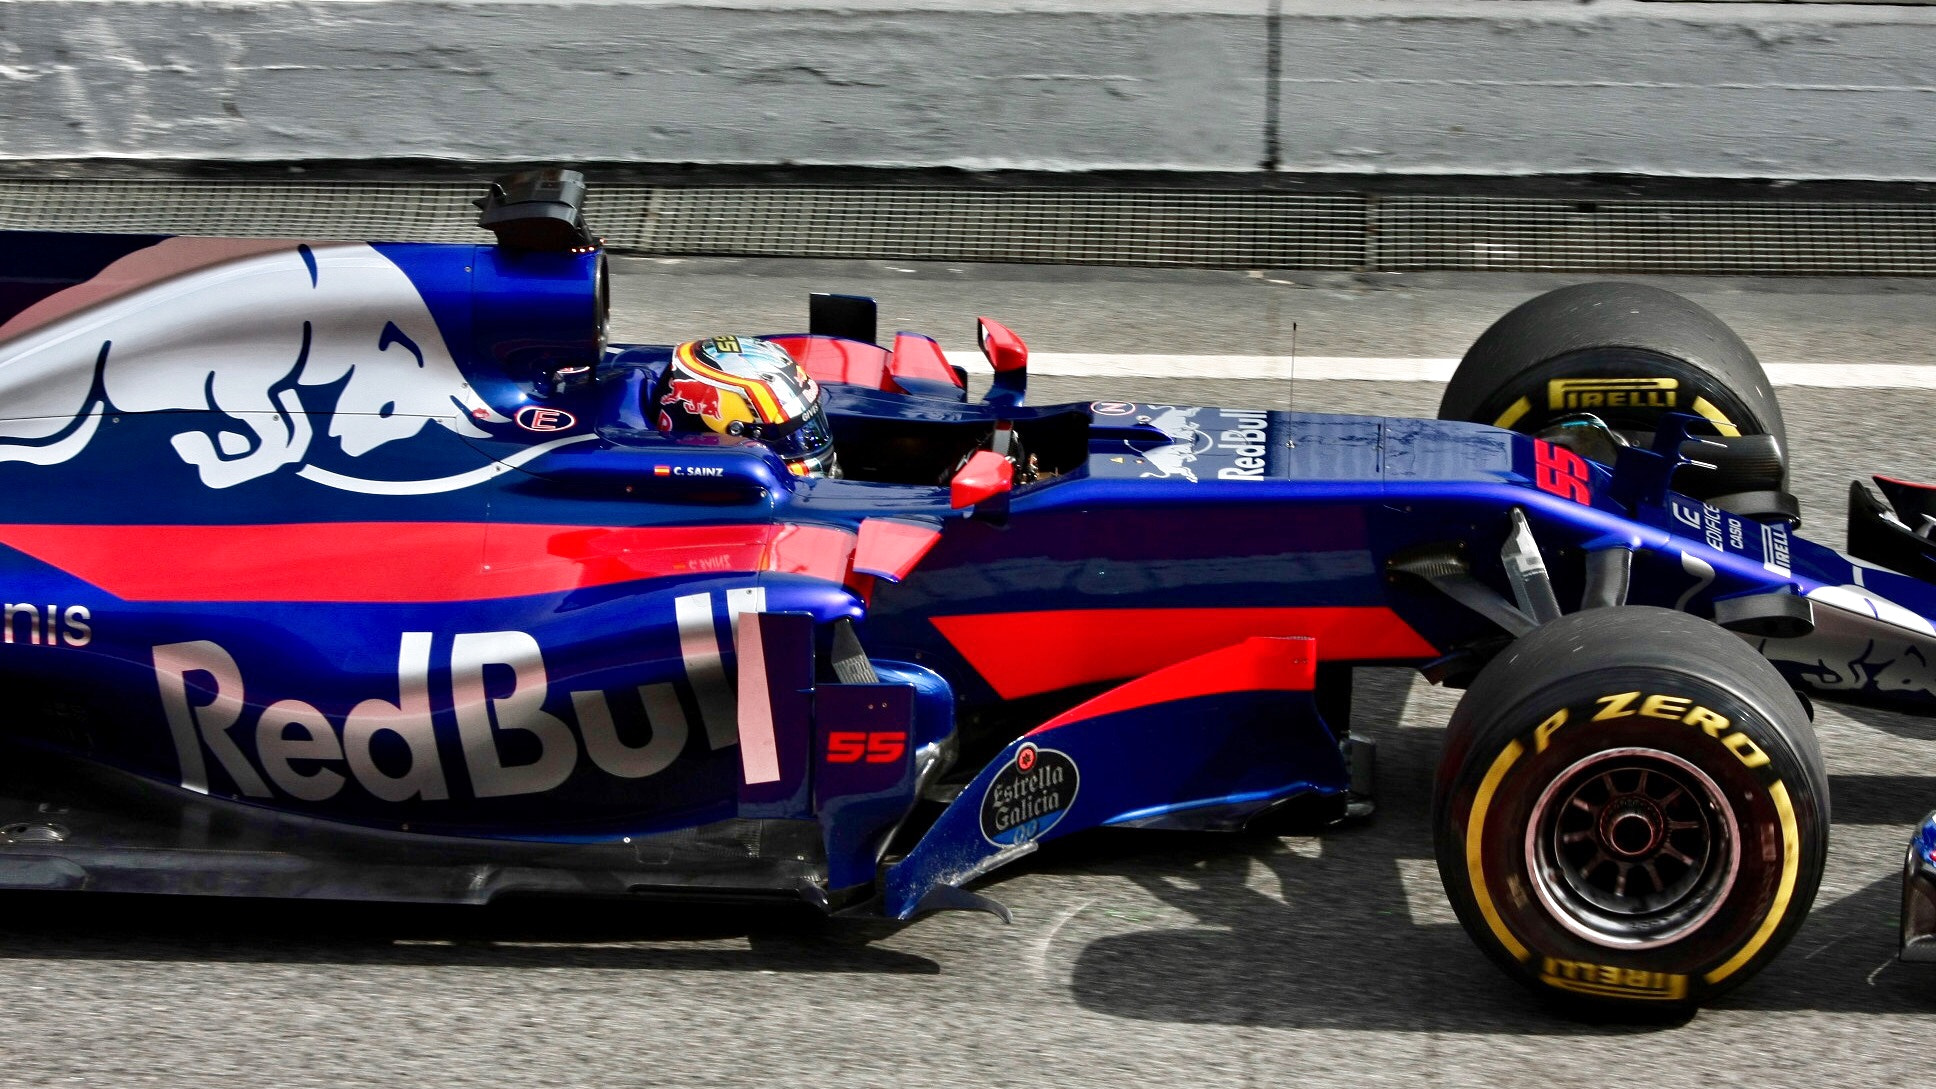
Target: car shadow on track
[(522, 933), (1909, 727), (1351, 929), (1330, 946), (1314, 933), (1844, 960), (1338, 951), (1899, 801)]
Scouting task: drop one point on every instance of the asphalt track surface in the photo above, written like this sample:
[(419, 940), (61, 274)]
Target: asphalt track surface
[(1134, 958)]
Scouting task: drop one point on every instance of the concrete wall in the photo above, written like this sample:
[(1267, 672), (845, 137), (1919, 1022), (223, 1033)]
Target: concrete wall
[(1453, 86)]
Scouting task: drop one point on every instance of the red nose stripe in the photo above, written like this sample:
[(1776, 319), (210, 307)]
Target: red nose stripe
[(415, 561), (1254, 665), (1023, 654)]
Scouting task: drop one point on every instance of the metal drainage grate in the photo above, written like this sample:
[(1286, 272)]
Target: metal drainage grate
[(1157, 227), (1086, 227), (431, 212), (1653, 236)]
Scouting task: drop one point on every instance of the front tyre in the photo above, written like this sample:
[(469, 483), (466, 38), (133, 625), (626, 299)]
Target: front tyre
[(1631, 814), (1626, 353)]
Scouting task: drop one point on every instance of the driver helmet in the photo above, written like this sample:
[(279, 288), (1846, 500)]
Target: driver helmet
[(751, 388)]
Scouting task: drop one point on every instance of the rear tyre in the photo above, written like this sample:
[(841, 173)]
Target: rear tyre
[(1624, 352), (1631, 812)]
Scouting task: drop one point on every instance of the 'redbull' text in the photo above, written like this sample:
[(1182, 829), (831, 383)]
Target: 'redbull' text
[(1249, 440), (302, 753)]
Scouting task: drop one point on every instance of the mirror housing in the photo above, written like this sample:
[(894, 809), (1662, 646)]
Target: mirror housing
[(1008, 355), (986, 476)]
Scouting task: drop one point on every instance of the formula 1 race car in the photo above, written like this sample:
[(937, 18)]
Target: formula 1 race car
[(373, 571)]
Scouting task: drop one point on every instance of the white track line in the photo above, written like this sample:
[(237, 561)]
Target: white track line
[(1367, 369), (1853, 375)]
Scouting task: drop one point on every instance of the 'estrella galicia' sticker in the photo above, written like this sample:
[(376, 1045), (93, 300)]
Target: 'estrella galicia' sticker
[(539, 418), (1029, 796), (1112, 408)]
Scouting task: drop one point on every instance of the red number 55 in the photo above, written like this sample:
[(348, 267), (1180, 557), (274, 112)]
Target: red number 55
[(1560, 471), (875, 747)]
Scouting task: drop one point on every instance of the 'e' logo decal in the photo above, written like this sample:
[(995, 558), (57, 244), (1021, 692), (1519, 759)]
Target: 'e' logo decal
[(535, 418)]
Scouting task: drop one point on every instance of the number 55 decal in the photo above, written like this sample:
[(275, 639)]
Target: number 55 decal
[(873, 747), (1560, 471)]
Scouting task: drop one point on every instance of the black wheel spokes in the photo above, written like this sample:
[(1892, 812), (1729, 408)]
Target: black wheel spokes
[(1631, 851), (1628, 828)]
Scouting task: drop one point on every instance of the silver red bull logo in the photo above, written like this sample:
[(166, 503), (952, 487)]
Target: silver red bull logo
[(230, 349), (494, 684)]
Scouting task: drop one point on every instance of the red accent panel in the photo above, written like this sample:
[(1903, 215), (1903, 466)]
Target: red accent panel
[(832, 359), (890, 549), (817, 551), (1254, 665), (920, 358), (1022, 654), (414, 561)]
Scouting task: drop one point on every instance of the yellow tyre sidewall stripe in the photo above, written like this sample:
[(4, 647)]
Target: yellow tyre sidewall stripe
[(1475, 849), (1791, 865), (1715, 416), (1514, 412)]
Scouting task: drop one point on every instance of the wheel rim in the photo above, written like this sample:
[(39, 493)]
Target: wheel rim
[(1632, 848)]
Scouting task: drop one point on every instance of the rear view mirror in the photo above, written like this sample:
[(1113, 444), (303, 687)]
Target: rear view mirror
[(986, 476), (1005, 350), (1008, 355)]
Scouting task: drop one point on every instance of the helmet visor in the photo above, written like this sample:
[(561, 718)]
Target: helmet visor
[(802, 437)]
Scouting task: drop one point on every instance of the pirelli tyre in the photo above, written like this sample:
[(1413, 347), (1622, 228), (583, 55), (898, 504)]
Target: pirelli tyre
[(1623, 352), (1631, 813)]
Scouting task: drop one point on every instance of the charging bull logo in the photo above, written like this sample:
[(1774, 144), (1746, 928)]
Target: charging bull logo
[(227, 348), (696, 397), (1862, 641), (1187, 443)]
